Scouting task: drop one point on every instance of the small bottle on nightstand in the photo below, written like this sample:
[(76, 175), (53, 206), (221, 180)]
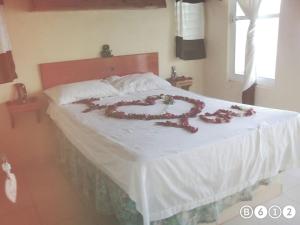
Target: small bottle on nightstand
[(173, 72), (180, 81)]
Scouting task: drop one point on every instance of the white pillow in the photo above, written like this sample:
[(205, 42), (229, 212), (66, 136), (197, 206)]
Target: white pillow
[(138, 82), (67, 93), (112, 78)]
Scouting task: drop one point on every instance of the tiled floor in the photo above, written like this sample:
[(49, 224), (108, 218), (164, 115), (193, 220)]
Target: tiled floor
[(45, 197), (290, 196)]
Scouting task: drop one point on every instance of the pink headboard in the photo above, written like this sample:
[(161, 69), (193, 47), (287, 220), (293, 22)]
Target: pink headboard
[(53, 74)]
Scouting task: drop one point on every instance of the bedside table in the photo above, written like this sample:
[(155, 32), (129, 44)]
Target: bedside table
[(31, 105), (181, 82)]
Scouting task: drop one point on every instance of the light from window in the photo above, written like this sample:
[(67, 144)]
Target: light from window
[(269, 7), (266, 38)]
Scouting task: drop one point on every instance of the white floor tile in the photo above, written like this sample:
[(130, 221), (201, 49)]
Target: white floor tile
[(289, 222), (289, 181), (255, 221), (293, 194), (282, 201), (293, 172)]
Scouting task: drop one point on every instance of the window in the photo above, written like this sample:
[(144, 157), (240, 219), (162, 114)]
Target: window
[(266, 39)]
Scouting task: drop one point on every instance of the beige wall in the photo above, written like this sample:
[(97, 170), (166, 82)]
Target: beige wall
[(285, 93), (39, 37)]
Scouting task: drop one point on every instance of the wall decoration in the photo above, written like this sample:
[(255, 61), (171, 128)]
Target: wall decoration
[(106, 52)]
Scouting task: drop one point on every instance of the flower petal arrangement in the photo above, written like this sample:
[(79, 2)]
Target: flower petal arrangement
[(183, 123), (220, 116), (112, 110), (225, 116)]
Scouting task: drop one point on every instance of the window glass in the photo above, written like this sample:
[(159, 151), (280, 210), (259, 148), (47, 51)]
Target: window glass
[(266, 39), (266, 47), (240, 45), (268, 7)]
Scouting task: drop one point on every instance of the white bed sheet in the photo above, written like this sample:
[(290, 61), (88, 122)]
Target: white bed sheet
[(168, 170)]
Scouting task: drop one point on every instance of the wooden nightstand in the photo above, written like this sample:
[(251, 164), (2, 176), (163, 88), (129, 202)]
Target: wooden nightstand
[(181, 82), (31, 105)]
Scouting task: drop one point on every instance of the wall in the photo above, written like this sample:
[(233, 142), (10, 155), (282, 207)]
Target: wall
[(39, 37), (284, 93)]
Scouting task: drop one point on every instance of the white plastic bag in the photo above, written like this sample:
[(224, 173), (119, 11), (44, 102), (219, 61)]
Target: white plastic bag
[(10, 182)]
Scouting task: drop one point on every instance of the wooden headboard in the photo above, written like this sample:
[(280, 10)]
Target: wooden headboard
[(53, 74)]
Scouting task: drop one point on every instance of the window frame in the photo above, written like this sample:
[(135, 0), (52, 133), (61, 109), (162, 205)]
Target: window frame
[(232, 76)]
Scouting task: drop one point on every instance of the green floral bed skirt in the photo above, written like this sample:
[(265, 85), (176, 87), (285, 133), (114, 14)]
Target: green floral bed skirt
[(109, 199)]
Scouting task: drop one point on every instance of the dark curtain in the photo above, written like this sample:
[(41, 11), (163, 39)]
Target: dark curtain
[(7, 68), (248, 96), (7, 65), (190, 29)]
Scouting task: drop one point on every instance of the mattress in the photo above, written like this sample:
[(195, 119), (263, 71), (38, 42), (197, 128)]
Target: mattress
[(169, 170)]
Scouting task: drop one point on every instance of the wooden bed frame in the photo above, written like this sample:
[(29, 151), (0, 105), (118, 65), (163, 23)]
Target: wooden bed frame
[(53, 74)]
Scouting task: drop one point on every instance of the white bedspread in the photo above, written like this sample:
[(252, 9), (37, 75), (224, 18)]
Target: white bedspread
[(168, 170)]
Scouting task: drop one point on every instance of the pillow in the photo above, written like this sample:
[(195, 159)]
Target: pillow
[(67, 93), (113, 78), (138, 82)]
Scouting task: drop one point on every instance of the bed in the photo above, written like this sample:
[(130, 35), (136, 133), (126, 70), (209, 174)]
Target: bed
[(145, 173)]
